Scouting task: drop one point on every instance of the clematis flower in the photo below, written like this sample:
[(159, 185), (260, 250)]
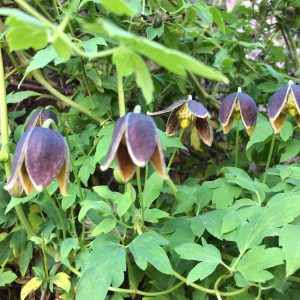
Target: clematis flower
[(135, 141), (40, 117), (283, 102), (183, 114), (235, 106), (41, 155)]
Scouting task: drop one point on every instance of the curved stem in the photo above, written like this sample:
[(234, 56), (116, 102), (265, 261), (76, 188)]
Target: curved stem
[(139, 183), (175, 150), (121, 97), (237, 138), (269, 158)]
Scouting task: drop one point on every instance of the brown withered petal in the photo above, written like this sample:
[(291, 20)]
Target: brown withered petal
[(205, 130), (40, 116), (197, 109), (158, 161), (248, 111), (276, 103), (118, 134), (140, 138), (46, 156), (226, 109), (124, 162), (173, 124), (169, 108)]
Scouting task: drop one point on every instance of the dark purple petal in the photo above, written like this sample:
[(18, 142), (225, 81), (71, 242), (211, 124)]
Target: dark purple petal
[(296, 91), (48, 114), (34, 119), (173, 124), (197, 109), (205, 130), (158, 160), (18, 160), (248, 111), (40, 116), (226, 108), (140, 138), (45, 156), (168, 109), (118, 134), (124, 162), (277, 102)]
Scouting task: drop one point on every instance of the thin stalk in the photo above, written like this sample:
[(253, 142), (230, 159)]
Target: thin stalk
[(175, 150), (140, 192), (121, 97), (5, 141), (269, 158), (171, 185), (237, 138), (45, 261), (293, 49)]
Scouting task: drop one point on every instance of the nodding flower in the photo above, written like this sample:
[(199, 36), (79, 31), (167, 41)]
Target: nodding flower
[(235, 106), (185, 113), (40, 117), (135, 141), (284, 102), (41, 156)]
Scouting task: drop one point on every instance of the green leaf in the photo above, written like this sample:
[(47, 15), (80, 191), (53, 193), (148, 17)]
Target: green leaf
[(153, 32), (225, 194), (87, 169), (62, 48), (104, 226), (208, 255), (291, 149), (104, 266), (217, 18), (100, 206), (119, 7), (62, 280), (25, 33), (173, 60), (20, 96), (25, 259), (7, 277), (287, 130), (153, 215), (152, 189), (67, 245), (32, 285), (145, 249), (91, 45), (254, 263), (289, 240)]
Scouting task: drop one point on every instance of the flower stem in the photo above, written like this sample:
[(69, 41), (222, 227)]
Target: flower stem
[(269, 158), (175, 150), (237, 138), (5, 141), (121, 97), (171, 185), (140, 192)]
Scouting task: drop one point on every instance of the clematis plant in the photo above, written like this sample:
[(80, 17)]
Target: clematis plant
[(184, 113), (135, 141), (283, 102), (235, 106), (41, 156)]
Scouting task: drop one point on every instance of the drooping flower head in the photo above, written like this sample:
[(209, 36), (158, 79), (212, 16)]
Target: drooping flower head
[(283, 102), (40, 117), (135, 141), (41, 156), (235, 106), (187, 112)]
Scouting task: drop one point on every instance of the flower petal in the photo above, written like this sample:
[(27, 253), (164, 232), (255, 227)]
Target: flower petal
[(277, 123), (173, 124), (48, 114), (125, 164), (295, 88), (40, 116), (45, 156), (168, 109), (276, 103), (205, 130), (226, 109), (63, 177), (158, 160), (19, 156), (248, 111), (34, 120), (119, 131), (197, 109), (140, 138)]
